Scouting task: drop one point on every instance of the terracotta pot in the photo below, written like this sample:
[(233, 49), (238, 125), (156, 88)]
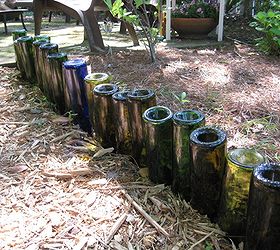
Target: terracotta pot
[(186, 27)]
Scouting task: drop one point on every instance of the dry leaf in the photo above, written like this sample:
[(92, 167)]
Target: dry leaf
[(144, 172), (61, 120), (18, 168)]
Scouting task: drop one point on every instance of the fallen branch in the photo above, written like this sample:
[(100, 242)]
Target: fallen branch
[(116, 227), (73, 173), (146, 216)]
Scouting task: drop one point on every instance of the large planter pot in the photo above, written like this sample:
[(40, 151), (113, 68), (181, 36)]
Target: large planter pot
[(186, 27)]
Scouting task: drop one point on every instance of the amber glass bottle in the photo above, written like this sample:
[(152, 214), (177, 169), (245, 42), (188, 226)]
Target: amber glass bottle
[(56, 61), (184, 122), (234, 198), (123, 135), (44, 50), (263, 217), (159, 128), (208, 151), (92, 80), (103, 112), (138, 101)]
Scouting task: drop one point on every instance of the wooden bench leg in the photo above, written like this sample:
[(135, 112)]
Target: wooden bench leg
[(5, 23), (22, 21)]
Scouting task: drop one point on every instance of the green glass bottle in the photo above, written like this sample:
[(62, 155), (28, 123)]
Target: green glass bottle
[(103, 114), (92, 80), (263, 217), (233, 207), (184, 123), (42, 37), (18, 33), (139, 100), (26, 57), (159, 131), (208, 151), (56, 61), (37, 61), (123, 135), (44, 50)]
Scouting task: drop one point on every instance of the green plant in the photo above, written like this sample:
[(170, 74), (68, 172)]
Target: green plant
[(138, 13), (182, 98), (196, 9), (269, 24)]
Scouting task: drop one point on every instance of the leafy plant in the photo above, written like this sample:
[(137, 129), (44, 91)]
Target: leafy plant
[(196, 9), (138, 13), (269, 24), (182, 98)]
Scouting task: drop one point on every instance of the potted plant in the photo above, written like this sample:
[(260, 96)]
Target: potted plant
[(195, 17)]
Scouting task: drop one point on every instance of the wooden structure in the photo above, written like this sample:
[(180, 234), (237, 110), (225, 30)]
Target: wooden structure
[(80, 10), (5, 14)]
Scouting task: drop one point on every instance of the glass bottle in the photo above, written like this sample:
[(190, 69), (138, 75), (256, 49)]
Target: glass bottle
[(184, 122), (159, 131), (233, 207), (123, 135), (103, 114), (139, 100), (263, 217), (74, 72), (208, 152), (56, 61)]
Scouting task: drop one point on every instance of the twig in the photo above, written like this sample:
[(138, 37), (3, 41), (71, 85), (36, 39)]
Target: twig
[(62, 137), (116, 227), (147, 217), (203, 239)]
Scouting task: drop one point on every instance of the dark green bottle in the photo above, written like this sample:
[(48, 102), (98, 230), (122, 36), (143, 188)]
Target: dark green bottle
[(184, 123), (263, 217), (159, 132), (42, 37), (233, 207), (92, 80), (139, 100), (208, 151), (26, 58), (103, 111), (44, 50), (123, 135), (56, 61), (38, 62), (16, 34)]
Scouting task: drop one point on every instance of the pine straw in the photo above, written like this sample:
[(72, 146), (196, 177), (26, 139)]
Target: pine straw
[(55, 195)]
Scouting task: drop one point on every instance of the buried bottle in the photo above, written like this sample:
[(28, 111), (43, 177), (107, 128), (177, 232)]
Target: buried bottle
[(159, 128), (263, 217), (92, 80), (74, 72), (56, 61), (18, 33), (139, 100), (103, 113), (44, 50), (123, 136), (208, 152), (37, 61), (233, 206), (184, 122), (42, 37), (25, 57)]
